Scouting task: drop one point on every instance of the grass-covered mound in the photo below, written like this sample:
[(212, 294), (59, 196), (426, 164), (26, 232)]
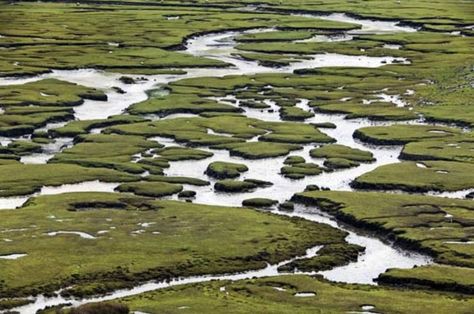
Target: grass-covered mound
[(340, 156), (151, 189), (48, 92), (419, 176), (143, 39), (280, 295), (176, 153), (435, 225), (259, 150), (178, 180), (196, 131), (259, 202), (328, 257), (341, 151), (225, 170), (234, 186), (458, 148), (19, 179), (33, 105), (300, 170), (79, 127), (400, 134), (295, 114), (133, 239), (441, 277), (109, 151)]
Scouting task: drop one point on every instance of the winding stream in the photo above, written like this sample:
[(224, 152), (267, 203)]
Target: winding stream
[(378, 256)]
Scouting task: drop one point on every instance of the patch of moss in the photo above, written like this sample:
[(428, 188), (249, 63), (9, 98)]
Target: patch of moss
[(182, 153), (225, 170), (138, 239), (419, 177), (439, 277), (151, 189), (300, 170), (234, 186), (259, 202), (341, 151), (19, 179)]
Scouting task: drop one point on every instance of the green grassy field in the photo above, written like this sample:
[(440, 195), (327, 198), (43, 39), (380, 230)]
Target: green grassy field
[(133, 239), (261, 295), (91, 243)]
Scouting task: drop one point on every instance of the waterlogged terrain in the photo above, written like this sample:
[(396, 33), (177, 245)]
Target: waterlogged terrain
[(236, 157)]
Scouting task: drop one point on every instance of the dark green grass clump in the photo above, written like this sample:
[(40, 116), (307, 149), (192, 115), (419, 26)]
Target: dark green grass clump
[(300, 170), (19, 179), (341, 151), (419, 176), (259, 202), (225, 170), (439, 277), (234, 186), (151, 189)]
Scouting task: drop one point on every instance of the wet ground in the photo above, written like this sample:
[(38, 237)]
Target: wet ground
[(378, 256)]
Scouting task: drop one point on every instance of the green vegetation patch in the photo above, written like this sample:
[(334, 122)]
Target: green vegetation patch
[(373, 111), (33, 105), (178, 180), (179, 102), (258, 150), (441, 277), (300, 170), (419, 176), (108, 151), (341, 151), (182, 153), (340, 163), (78, 127), (151, 189), (143, 40), (19, 179), (438, 226), (328, 257), (275, 36), (340, 156), (292, 160), (459, 148), (225, 170), (295, 114), (48, 92), (234, 186), (402, 134), (280, 295), (126, 240), (196, 130), (259, 202)]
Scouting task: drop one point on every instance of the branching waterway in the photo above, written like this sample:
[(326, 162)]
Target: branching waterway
[(378, 256)]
